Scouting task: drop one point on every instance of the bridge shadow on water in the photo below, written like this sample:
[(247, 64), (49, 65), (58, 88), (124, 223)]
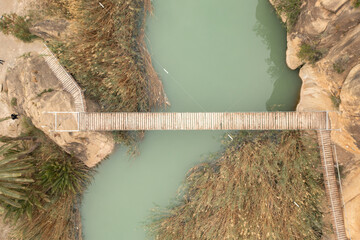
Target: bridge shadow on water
[(287, 82)]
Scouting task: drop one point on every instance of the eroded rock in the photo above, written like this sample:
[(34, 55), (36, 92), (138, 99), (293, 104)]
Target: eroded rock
[(38, 91), (333, 27), (333, 5), (293, 47)]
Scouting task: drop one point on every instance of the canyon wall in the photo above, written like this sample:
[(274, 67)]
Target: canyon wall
[(333, 83)]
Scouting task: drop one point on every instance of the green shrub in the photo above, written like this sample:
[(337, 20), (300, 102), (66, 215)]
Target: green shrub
[(64, 175), (335, 99), (357, 3), (291, 8), (309, 53), (339, 67), (45, 91), (17, 26), (14, 102)]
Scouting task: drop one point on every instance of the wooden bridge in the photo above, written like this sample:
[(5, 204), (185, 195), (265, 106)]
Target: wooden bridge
[(122, 121), (93, 121)]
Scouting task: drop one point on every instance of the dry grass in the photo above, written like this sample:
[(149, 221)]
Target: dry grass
[(107, 54), (108, 57), (262, 186)]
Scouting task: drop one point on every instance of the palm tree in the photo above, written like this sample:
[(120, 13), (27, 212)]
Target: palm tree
[(15, 171)]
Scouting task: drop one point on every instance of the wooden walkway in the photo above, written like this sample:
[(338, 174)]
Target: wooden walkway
[(331, 185), (66, 79), (92, 121), (203, 121)]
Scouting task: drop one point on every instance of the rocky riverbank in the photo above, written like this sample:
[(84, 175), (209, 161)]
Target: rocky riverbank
[(31, 89), (331, 28), (28, 87)]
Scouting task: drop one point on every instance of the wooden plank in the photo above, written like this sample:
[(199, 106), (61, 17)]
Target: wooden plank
[(201, 121)]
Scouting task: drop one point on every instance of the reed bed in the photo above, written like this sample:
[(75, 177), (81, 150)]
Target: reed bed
[(263, 185), (108, 57), (107, 54)]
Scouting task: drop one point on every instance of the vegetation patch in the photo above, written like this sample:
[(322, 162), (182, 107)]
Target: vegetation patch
[(45, 91), (309, 53), (291, 9), (336, 100), (13, 102), (17, 26), (357, 3), (339, 65), (40, 185), (263, 185)]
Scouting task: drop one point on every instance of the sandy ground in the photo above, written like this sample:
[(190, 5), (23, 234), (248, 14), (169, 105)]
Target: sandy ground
[(10, 47)]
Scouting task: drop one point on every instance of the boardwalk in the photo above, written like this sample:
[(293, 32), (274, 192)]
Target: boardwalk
[(66, 80), (331, 184), (90, 121), (203, 121)]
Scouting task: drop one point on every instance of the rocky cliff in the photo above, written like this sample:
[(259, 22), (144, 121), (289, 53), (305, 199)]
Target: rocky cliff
[(31, 89), (332, 29)]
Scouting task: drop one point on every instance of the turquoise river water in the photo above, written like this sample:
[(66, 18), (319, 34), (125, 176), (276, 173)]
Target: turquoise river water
[(212, 56)]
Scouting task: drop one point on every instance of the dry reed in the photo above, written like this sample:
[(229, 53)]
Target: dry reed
[(262, 186)]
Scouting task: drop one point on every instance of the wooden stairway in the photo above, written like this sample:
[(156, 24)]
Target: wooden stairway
[(66, 79), (331, 184)]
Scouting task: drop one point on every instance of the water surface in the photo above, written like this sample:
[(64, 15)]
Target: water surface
[(212, 55)]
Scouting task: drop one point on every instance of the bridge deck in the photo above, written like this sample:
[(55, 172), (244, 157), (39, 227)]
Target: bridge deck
[(203, 121)]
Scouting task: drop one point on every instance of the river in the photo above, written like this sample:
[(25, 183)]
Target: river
[(212, 56)]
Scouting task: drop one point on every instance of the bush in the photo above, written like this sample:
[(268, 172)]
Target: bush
[(309, 53), (63, 175), (335, 100), (291, 8), (14, 102), (17, 26), (339, 66), (45, 91), (357, 3)]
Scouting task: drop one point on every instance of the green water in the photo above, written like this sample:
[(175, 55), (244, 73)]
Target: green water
[(220, 56)]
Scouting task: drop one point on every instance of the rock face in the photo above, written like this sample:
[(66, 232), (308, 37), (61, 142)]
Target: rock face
[(332, 5), (38, 91), (333, 27), (350, 103)]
